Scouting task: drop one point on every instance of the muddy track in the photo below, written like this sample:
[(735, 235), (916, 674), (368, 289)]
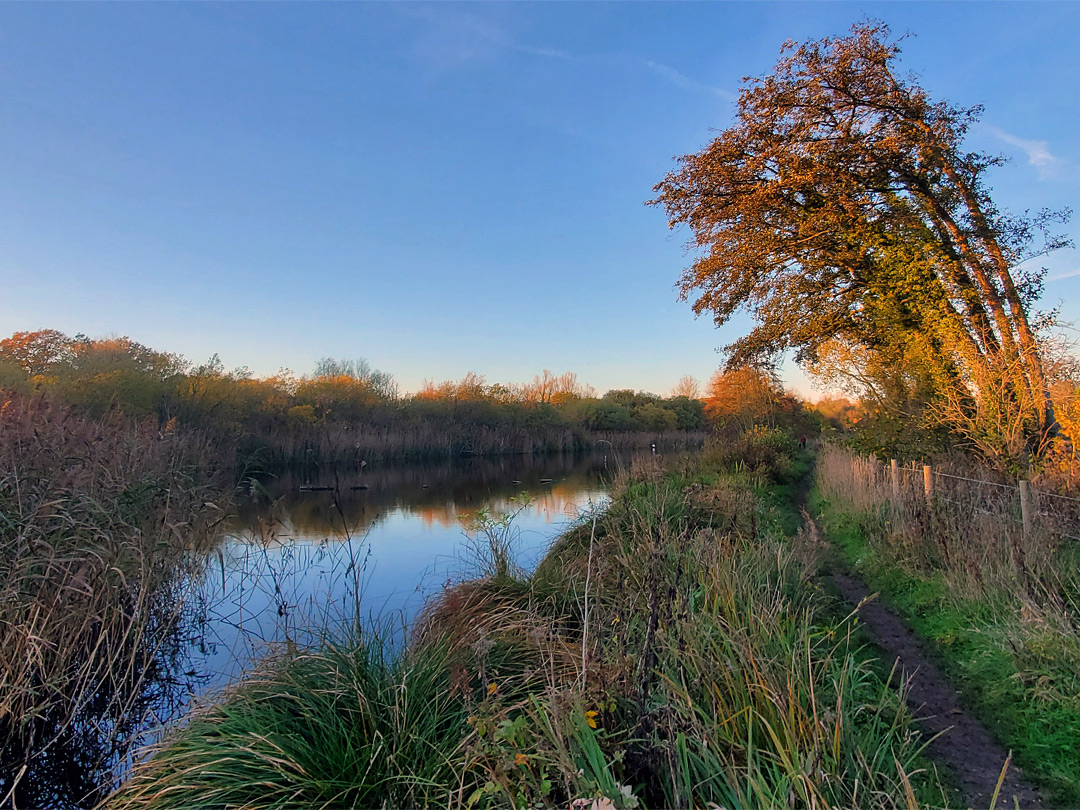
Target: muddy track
[(961, 743)]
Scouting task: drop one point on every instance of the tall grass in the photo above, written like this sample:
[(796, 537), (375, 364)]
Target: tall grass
[(1001, 604), (669, 652), (97, 522), (970, 534), (722, 663)]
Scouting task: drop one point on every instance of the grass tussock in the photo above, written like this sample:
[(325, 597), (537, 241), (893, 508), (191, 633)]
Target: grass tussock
[(97, 520), (999, 603), (341, 726), (669, 652)]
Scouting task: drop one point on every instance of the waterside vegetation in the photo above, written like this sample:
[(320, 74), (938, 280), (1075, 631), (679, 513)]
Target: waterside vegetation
[(345, 412), (117, 468), (996, 600), (670, 651), (101, 521)]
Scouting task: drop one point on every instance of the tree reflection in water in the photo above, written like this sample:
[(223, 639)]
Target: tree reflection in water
[(291, 565)]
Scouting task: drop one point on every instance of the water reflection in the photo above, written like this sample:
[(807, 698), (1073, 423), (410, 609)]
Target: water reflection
[(75, 752), (307, 554), (437, 493), (302, 555)]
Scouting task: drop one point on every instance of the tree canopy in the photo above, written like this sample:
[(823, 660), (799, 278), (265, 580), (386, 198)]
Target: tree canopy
[(746, 396), (36, 352), (842, 210)]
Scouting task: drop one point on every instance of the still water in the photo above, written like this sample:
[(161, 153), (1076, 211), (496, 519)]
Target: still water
[(299, 558), (306, 555)]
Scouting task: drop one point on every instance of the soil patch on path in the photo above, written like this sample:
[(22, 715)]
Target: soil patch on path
[(962, 743)]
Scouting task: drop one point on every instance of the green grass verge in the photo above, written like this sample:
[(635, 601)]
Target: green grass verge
[(997, 679)]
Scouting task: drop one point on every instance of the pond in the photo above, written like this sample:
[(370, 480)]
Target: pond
[(302, 556), (306, 554)]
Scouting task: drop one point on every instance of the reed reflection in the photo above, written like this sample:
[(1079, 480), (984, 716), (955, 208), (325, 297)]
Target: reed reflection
[(305, 554), (336, 504)]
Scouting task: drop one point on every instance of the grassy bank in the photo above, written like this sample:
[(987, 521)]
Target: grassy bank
[(998, 605), (98, 522), (669, 652)]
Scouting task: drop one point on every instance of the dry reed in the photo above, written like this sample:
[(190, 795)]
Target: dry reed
[(99, 521)]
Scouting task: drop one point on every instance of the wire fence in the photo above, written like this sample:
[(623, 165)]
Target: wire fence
[(1031, 508), (982, 535)]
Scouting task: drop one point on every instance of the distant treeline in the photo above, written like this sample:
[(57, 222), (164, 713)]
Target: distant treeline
[(345, 411)]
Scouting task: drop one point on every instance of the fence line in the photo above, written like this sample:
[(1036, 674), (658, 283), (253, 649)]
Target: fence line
[(974, 480), (907, 470), (1043, 493), (1058, 521)]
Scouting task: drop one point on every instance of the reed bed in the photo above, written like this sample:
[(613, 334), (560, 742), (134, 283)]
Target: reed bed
[(350, 443), (99, 521), (1001, 602), (669, 652)]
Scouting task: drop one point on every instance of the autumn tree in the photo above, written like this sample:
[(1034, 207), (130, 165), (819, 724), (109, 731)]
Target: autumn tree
[(839, 411), (380, 382), (554, 388), (36, 352), (745, 396), (896, 384), (472, 387), (1063, 370), (842, 208), (121, 355)]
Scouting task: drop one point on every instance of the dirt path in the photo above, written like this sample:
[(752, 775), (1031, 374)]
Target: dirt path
[(962, 744)]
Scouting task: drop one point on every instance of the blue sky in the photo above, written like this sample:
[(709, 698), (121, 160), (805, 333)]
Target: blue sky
[(435, 187)]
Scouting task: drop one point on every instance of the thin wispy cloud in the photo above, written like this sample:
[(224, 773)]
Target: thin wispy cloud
[(682, 80), (1038, 153), (454, 38), (550, 53), (1062, 276)]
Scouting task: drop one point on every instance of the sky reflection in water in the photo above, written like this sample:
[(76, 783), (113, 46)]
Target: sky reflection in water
[(294, 562)]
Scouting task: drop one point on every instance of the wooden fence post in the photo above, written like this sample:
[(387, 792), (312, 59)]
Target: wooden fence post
[(894, 476), (1025, 507), (928, 483)]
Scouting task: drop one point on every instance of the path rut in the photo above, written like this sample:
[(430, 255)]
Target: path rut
[(961, 742)]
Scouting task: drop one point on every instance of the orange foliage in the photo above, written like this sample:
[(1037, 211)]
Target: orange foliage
[(746, 396), (36, 352)]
